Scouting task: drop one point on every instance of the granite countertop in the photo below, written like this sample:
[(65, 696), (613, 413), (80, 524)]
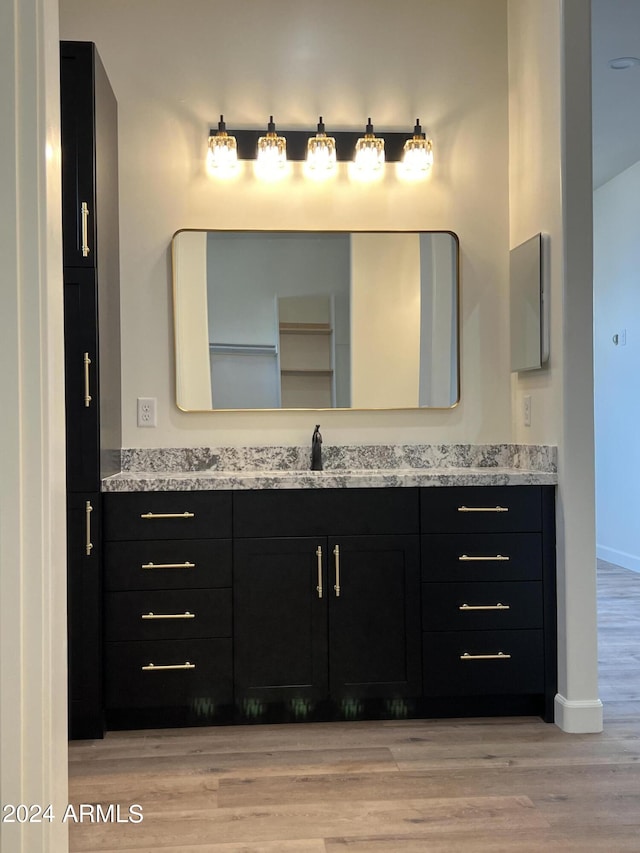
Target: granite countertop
[(197, 469)]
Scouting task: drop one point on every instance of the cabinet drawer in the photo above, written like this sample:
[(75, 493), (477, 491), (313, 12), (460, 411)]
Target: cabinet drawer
[(163, 564), (481, 556), (207, 679), (476, 509), (168, 614), (480, 606), (167, 515), (461, 663), (318, 512)]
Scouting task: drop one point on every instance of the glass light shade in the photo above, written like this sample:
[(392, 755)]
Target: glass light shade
[(222, 156), (418, 156), (272, 150), (369, 153), (417, 159), (321, 152)]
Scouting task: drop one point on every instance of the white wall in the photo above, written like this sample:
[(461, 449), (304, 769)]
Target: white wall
[(617, 368), (550, 191), (176, 66), (33, 695)]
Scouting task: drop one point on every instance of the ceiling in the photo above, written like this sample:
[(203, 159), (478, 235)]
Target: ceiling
[(616, 94)]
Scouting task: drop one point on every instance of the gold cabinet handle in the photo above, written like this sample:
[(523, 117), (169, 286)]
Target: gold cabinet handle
[(87, 387), (483, 509), (84, 214), (88, 509), (154, 667), (319, 556), (484, 607), (185, 615), (465, 558), (168, 515), (185, 565), (498, 656), (336, 586)]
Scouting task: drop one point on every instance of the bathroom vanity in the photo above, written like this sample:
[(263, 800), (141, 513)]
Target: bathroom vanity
[(267, 595)]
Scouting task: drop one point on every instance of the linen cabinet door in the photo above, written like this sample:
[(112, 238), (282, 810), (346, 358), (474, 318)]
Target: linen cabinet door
[(280, 622), (84, 624), (77, 107), (81, 380), (374, 617)]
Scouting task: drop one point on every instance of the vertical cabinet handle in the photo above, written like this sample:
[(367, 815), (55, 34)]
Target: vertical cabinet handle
[(87, 388), (336, 554), (319, 556), (84, 215), (88, 509)]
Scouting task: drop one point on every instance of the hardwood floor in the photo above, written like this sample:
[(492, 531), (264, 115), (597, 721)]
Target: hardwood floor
[(444, 786)]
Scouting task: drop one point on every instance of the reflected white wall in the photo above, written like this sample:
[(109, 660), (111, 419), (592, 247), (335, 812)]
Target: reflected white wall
[(193, 379), (385, 320)]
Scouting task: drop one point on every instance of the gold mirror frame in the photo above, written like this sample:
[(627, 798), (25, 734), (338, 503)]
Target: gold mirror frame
[(190, 320)]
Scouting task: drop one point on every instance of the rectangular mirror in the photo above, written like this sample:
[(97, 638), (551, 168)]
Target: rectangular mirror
[(315, 320)]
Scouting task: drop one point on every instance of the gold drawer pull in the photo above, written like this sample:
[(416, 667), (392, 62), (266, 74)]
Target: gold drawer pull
[(84, 218), (499, 656), (483, 509), (168, 515), (87, 382), (152, 667), (465, 558), (185, 565), (484, 607), (185, 615), (319, 556), (88, 544)]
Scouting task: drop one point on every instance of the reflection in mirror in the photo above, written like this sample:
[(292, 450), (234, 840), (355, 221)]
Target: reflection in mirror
[(314, 320)]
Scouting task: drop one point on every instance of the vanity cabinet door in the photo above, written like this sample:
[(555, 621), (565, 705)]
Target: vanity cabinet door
[(357, 638), (374, 623), (280, 620)]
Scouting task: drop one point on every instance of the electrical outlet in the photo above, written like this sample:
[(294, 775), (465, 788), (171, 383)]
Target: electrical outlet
[(147, 415), (526, 409)]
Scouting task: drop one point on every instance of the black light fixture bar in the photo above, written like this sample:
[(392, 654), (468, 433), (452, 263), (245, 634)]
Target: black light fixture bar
[(297, 143)]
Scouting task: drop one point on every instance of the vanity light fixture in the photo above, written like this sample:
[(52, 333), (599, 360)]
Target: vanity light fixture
[(321, 153), (417, 159), (369, 154), (272, 152), (222, 156)]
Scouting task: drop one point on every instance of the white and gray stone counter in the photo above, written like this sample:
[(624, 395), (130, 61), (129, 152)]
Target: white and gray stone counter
[(370, 466)]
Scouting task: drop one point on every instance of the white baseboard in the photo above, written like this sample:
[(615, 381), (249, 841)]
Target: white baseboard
[(620, 558), (578, 716)]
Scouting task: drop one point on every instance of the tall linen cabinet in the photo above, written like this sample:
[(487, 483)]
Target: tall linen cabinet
[(89, 133)]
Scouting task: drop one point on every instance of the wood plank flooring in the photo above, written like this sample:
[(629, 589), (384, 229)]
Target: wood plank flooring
[(514, 785)]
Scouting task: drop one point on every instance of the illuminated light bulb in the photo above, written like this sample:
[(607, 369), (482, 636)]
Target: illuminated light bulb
[(321, 153), (369, 154), (418, 154), (271, 158), (222, 156)]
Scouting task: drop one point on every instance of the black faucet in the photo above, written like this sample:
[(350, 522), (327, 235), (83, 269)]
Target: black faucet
[(316, 449)]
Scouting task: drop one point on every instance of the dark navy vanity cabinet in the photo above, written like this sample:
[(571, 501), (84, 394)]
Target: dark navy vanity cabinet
[(266, 605)]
